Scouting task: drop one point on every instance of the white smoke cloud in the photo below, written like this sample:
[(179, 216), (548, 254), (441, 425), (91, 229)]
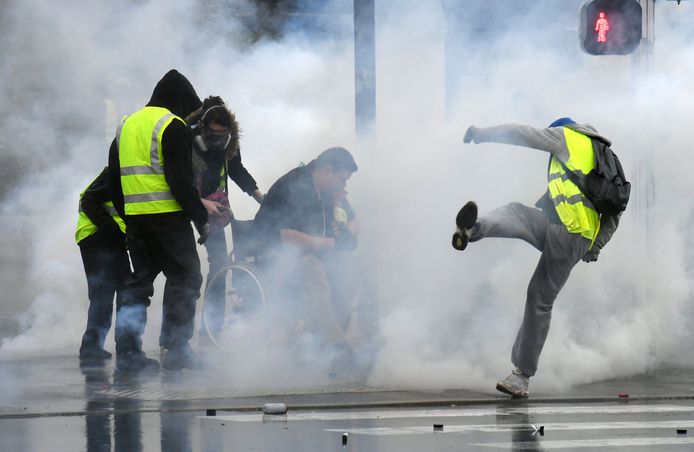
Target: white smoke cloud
[(447, 319)]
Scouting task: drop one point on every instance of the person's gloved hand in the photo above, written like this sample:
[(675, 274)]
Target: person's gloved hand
[(470, 135), (204, 231), (344, 239), (591, 255)]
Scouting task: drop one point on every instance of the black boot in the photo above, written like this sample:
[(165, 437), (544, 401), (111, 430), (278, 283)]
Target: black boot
[(181, 357), (136, 362)]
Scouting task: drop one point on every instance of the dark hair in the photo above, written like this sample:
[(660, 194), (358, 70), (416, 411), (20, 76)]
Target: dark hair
[(218, 114), (215, 110), (339, 158)]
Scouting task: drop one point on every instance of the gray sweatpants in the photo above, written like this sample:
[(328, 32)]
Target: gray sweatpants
[(560, 250)]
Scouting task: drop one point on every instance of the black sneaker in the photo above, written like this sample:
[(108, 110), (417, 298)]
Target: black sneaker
[(89, 353), (464, 221), (181, 357), (136, 362)]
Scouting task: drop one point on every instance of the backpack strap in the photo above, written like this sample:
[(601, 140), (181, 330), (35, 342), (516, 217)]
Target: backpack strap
[(573, 177)]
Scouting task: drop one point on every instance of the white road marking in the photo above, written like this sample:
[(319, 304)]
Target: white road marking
[(498, 428), (461, 412), (586, 443)]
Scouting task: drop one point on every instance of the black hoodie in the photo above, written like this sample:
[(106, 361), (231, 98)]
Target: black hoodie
[(175, 93)]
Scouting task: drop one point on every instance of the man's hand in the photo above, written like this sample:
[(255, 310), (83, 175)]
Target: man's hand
[(204, 232), (213, 207), (344, 239), (591, 255), (470, 135)]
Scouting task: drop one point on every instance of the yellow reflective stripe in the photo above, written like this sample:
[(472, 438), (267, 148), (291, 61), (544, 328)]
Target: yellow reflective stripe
[(575, 199), (133, 170), (563, 176), (154, 146), (146, 197), (118, 132)]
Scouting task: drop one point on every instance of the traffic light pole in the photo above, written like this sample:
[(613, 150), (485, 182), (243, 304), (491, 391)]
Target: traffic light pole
[(642, 62), (642, 59), (364, 67)]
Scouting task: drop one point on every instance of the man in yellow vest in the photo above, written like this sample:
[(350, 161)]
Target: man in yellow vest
[(150, 180), (565, 228), (100, 235)]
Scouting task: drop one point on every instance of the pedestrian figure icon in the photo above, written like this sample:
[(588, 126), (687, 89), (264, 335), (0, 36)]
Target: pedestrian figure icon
[(602, 26)]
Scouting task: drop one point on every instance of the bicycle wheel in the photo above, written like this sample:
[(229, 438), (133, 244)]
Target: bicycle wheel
[(244, 300)]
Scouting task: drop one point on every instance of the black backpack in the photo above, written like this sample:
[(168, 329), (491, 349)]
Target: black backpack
[(605, 185)]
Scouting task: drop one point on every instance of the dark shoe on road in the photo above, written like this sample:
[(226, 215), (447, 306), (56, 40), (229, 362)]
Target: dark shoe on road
[(88, 353), (93, 357), (181, 357), (464, 221), (136, 362)]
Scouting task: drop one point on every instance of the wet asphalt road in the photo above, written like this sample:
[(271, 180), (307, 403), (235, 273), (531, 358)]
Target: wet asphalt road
[(52, 405)]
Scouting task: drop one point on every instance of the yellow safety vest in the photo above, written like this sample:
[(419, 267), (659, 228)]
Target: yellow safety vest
[(85, 226), (145, 190), (575, 211)]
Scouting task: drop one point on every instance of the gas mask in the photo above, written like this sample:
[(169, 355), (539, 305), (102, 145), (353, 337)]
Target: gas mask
[(215, 141)]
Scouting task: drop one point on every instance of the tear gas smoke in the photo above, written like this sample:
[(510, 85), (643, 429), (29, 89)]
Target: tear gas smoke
[(447, 319)]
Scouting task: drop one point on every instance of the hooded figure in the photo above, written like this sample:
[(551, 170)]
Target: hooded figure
[(151, 183), (175, 93), (565, 227)]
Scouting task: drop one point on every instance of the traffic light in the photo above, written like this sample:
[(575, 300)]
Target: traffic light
[(610, 27)]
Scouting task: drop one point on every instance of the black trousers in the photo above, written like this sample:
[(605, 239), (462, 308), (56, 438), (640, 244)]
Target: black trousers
[(159, 243), (106, 266)]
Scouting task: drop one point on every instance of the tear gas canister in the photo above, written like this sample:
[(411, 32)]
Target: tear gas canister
[(275, 408)]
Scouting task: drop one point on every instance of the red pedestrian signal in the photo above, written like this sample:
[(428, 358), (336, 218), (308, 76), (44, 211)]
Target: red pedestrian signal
[(602, 26), (610, 27)]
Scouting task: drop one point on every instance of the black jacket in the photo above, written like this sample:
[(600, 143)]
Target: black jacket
[(175, 93), (208, 178), (293, 203)]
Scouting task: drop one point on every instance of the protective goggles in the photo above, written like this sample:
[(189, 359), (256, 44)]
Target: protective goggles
[(216, 140)]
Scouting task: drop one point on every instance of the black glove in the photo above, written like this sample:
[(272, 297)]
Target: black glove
[(469, 135), (204, 231), (344, 239), (591, 255)]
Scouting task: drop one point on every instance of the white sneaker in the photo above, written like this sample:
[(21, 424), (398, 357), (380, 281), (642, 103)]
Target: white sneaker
[(515, 384)]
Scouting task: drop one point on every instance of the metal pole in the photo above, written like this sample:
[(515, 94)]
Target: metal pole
[(364, 67), (644, 179)]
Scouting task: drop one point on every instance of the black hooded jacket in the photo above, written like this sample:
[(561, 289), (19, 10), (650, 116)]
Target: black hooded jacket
[(175, 93)]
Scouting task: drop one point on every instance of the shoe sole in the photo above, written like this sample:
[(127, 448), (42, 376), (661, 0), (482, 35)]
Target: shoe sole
[(467, 216), (516, 394), (466, 219)]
